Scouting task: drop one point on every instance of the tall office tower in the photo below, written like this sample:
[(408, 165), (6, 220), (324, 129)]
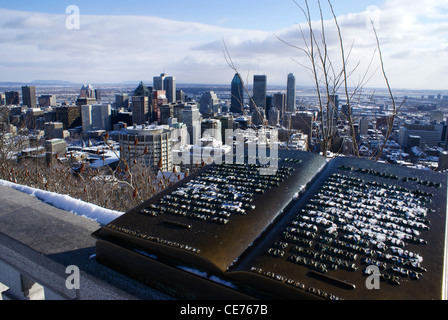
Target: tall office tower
[(29, 96), (334, 102), (122, 100), (158, 82), (180, 96), (226, 124), (209, 103), (192, 118), (274, 116), (178, 108), (12, 98), (259, 95), (96, 117), (269, 105), (70, 116), (158, 99), (303, 121), (87, 91), (87, 96), (47, 100), (140, 110), (211, 128), (142, 90), (169, 85), (237, 95), (141, 104), (279, 102), (291, 93), (98, 95), (258, 117), (149, 145), (2, 99), (166, 113)]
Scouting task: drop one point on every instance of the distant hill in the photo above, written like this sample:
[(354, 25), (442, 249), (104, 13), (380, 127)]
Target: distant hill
[(38, 83)]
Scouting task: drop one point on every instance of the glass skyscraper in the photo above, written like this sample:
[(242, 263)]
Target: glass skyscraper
[(237, 99), (260, 88), (291, 93)]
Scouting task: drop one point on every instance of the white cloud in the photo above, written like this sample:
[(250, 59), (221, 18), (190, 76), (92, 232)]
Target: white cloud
[(414, 40)]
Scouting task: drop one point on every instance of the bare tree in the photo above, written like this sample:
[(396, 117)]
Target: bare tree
[(331, 74), (120, 187)]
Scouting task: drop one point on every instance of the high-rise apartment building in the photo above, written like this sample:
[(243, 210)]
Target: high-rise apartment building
[(237, 95), (29, 96), (291, 93), (151, 146)]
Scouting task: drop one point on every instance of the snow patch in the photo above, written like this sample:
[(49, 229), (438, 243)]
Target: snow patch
[(64, 202)]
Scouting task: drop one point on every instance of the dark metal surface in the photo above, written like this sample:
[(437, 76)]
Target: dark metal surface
[(284, 246)]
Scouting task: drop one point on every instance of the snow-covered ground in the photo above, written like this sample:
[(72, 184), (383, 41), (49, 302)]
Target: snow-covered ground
[(87, 210)]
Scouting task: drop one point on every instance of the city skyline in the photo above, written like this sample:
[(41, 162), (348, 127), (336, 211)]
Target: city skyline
[(119, 44)]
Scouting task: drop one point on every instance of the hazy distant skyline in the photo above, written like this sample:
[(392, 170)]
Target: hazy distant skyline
[(136, 40)]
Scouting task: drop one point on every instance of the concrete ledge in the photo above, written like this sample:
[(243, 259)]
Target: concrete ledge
[(38, 242)]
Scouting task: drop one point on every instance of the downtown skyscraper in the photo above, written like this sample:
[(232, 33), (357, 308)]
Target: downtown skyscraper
[(29, 96), (259, 95), (291, 93), (258, 102), (166, 83), (141, 105), (237, 99)]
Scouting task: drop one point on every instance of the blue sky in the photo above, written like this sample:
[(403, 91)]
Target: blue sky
[(136, 40)]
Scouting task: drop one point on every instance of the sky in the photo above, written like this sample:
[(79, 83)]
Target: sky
[(121, 41)]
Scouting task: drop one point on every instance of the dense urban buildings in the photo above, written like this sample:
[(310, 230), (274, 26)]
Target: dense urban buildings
[(418, 136)]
